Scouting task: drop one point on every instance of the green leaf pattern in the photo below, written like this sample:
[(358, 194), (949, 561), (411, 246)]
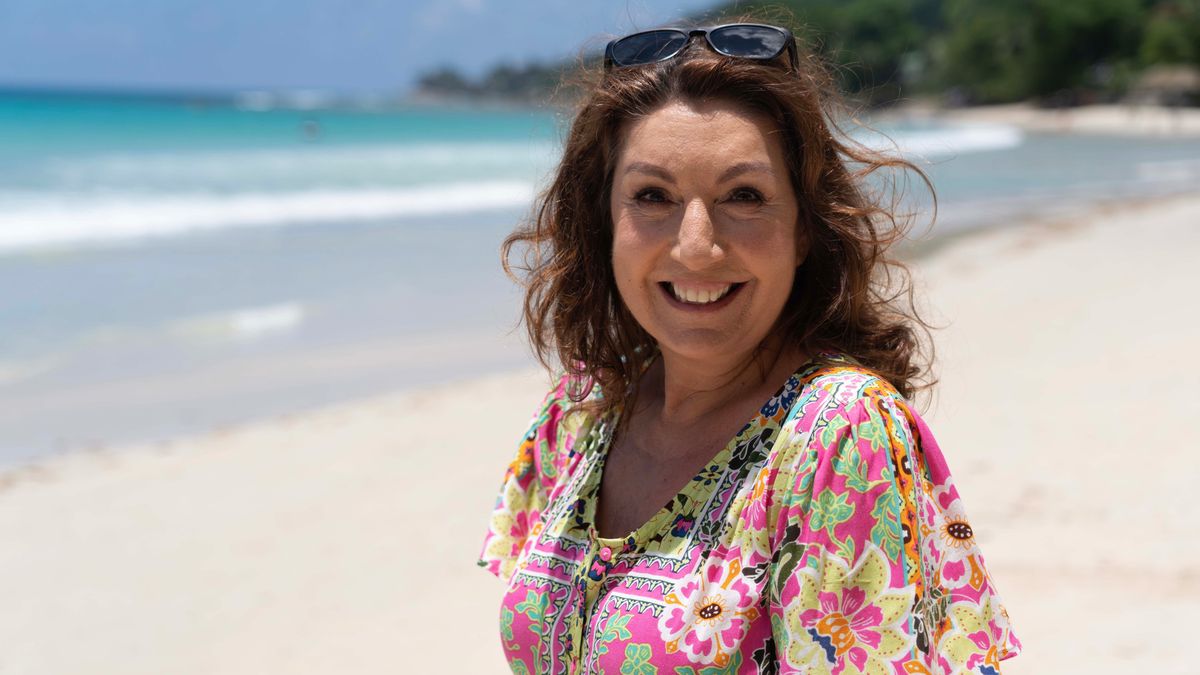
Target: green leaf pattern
[(830, 509), (615, 629), (637, 660)]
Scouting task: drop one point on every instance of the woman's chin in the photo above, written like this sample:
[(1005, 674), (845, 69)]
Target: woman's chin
[(709, 345)]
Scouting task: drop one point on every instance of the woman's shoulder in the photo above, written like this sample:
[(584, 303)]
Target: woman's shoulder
[(839, 401), (572, 402), (837, 380), (545, 457), (565, 415)]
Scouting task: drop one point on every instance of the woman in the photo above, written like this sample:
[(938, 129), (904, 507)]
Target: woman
[(705, 257)]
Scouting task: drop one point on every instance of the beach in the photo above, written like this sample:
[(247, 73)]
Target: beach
[(1112, 119), (344, 539)]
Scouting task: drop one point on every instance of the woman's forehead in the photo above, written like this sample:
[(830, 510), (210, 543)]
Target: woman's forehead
[(715, 134)]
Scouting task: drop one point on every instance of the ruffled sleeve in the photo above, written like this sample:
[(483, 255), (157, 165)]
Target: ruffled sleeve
[(541, 458), (875, 568)]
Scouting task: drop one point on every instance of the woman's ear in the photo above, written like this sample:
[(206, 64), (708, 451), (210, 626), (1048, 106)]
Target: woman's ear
[(803, 244)]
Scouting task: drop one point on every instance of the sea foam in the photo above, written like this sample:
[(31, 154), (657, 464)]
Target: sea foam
[(945, 141), (31, 221), (303, 167)]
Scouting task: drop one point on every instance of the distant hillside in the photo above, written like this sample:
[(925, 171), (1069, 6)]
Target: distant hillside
[(1057, 52)]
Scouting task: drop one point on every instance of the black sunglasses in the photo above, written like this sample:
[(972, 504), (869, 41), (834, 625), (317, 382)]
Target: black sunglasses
[(740, 40)]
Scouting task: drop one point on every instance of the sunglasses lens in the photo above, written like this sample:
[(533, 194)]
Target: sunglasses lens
[(649, 47), (748, 42)]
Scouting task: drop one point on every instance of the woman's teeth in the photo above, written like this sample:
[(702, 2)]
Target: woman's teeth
[(699, 297)]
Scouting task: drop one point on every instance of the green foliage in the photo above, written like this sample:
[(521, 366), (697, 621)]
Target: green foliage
[(870, 42), (1172, 34), (531, 82), (983, 50), (444, 78), (1007, 51)]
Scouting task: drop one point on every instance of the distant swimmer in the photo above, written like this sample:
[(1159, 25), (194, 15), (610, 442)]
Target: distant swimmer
[(311, 129)]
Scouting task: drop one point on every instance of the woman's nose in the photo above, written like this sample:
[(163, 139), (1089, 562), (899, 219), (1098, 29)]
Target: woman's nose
[(697, 247)]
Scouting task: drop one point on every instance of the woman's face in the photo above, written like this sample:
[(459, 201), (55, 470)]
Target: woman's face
[(704, 228)]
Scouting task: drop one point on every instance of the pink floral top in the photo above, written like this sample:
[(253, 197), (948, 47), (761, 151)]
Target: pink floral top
[(826, 537)]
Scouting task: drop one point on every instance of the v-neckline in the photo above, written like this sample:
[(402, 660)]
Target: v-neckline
[(595, 478)]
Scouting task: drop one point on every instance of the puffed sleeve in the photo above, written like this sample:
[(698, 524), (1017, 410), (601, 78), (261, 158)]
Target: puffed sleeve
[(874, 566), (528, 482)]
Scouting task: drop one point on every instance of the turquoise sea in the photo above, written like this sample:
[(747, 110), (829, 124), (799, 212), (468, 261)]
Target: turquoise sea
[(171, 265)]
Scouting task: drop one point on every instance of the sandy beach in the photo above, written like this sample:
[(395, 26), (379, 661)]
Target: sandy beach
[(1115, 119), (343, 541)]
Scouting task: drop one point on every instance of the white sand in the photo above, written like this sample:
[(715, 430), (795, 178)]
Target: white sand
[(343, 541), (1105, 120)]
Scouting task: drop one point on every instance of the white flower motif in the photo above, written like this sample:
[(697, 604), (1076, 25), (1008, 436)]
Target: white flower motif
[(953, 541), (708, 612)]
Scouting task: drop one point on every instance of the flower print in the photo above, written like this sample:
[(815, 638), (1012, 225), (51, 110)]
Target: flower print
[(951, 525), (708, 612), (837, 615), (746, 519), (979, 637), (952, 543), (755, 511), (518, 530), (509, 530), (755, 538), (682, 525)]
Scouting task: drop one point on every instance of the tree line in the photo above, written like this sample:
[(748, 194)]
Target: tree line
[(968, 51)]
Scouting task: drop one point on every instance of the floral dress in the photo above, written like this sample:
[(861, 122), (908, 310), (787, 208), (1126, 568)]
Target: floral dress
[(826, 537)]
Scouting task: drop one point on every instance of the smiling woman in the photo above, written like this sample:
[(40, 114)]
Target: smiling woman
[(729, 476), (705, 243)]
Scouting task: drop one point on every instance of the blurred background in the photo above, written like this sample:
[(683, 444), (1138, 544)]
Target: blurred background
[(219, 213)]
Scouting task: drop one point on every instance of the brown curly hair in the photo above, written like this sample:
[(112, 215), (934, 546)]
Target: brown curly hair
[(850, 295)]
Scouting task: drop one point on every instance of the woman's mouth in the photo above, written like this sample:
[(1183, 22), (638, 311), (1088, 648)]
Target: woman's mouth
[(696, 297)]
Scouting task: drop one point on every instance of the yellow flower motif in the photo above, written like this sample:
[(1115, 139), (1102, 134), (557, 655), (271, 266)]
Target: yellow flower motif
[(510, 526), (846, 619), (979, 635)]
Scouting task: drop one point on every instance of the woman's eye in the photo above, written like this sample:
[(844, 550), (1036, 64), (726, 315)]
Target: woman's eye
[(745, 194), (651, 196)]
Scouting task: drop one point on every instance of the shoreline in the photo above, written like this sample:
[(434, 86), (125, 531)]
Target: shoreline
[(1117, 119)]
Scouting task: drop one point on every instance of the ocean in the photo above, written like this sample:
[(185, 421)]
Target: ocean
[(172, 265)]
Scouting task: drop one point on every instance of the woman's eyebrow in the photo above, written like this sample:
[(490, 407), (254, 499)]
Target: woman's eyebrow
[(745, 167), (650, 169)]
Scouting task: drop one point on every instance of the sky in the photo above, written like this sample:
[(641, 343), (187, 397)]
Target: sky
[(334, 45)]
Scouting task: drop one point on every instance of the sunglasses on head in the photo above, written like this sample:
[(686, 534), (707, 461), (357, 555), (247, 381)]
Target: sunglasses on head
[(756, 41)]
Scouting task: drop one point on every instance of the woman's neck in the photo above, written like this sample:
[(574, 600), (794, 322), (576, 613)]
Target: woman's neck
[(679, 391)]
